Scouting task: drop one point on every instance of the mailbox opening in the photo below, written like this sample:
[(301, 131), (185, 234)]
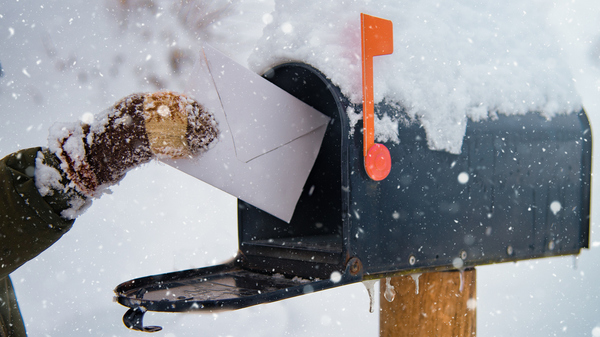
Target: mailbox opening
[(315, 232)]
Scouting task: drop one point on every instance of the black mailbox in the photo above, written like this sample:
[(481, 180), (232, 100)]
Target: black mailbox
[(520, 189)]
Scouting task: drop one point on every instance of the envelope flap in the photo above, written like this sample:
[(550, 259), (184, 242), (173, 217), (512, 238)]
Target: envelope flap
[(261, 116)]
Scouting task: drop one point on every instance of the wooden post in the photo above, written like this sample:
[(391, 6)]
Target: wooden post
[(439, 309)]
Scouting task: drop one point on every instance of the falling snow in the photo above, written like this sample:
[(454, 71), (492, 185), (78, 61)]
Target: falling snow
[(57, 69)]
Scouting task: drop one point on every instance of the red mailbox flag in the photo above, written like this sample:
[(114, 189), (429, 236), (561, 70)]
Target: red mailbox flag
[(377, 39)]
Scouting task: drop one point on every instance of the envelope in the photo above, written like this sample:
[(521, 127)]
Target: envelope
[(268, 139)]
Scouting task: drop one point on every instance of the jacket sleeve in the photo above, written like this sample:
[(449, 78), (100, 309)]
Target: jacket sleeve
[(29, 222)]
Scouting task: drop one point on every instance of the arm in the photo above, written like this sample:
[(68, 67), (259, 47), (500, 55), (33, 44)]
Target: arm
[(30, 222), (42, 191)]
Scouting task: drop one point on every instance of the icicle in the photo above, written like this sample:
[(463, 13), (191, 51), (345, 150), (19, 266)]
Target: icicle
[(370, 285), (458, 263), (416, 278), (462, 276), (389, 293)]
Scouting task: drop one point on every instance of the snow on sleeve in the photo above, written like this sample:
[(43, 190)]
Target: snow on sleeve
[(452, 60), (72, 136), (77, 206), (47, 178)]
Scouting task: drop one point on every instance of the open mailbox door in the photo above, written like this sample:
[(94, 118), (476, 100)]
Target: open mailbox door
[(276, 259), (520, 189)]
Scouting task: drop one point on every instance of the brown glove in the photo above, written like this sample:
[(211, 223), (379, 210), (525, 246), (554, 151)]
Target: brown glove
[(135, 130)]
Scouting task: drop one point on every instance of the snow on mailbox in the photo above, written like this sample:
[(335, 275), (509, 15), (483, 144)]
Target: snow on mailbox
[(518, 189)]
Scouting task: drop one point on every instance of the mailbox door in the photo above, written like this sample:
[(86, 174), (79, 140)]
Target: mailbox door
[(223, 287)]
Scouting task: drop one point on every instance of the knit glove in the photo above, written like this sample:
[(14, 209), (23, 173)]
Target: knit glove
[(94, 156)]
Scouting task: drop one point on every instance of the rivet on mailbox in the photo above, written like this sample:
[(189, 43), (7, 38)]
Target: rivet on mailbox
[(511, 194)]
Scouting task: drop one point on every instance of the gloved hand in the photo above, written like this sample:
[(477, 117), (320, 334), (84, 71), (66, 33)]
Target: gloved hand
[(135, 130)]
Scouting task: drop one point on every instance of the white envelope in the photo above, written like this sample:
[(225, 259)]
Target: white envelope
[(268, 140)]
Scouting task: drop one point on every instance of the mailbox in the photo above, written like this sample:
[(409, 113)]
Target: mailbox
[(520, 189)]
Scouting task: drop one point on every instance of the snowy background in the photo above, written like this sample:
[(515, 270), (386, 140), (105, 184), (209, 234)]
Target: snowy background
[(64, 59)]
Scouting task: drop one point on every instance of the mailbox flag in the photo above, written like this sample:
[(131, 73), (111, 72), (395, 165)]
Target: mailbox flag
[(376, 39)]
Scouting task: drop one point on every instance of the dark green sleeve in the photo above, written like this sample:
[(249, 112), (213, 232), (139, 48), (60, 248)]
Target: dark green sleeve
[(29, 223), (11, 322)]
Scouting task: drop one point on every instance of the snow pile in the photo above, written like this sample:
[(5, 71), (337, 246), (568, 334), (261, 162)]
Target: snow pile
[(452, 60)]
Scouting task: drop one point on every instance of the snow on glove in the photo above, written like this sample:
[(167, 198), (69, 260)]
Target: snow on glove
[(135, 130)]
